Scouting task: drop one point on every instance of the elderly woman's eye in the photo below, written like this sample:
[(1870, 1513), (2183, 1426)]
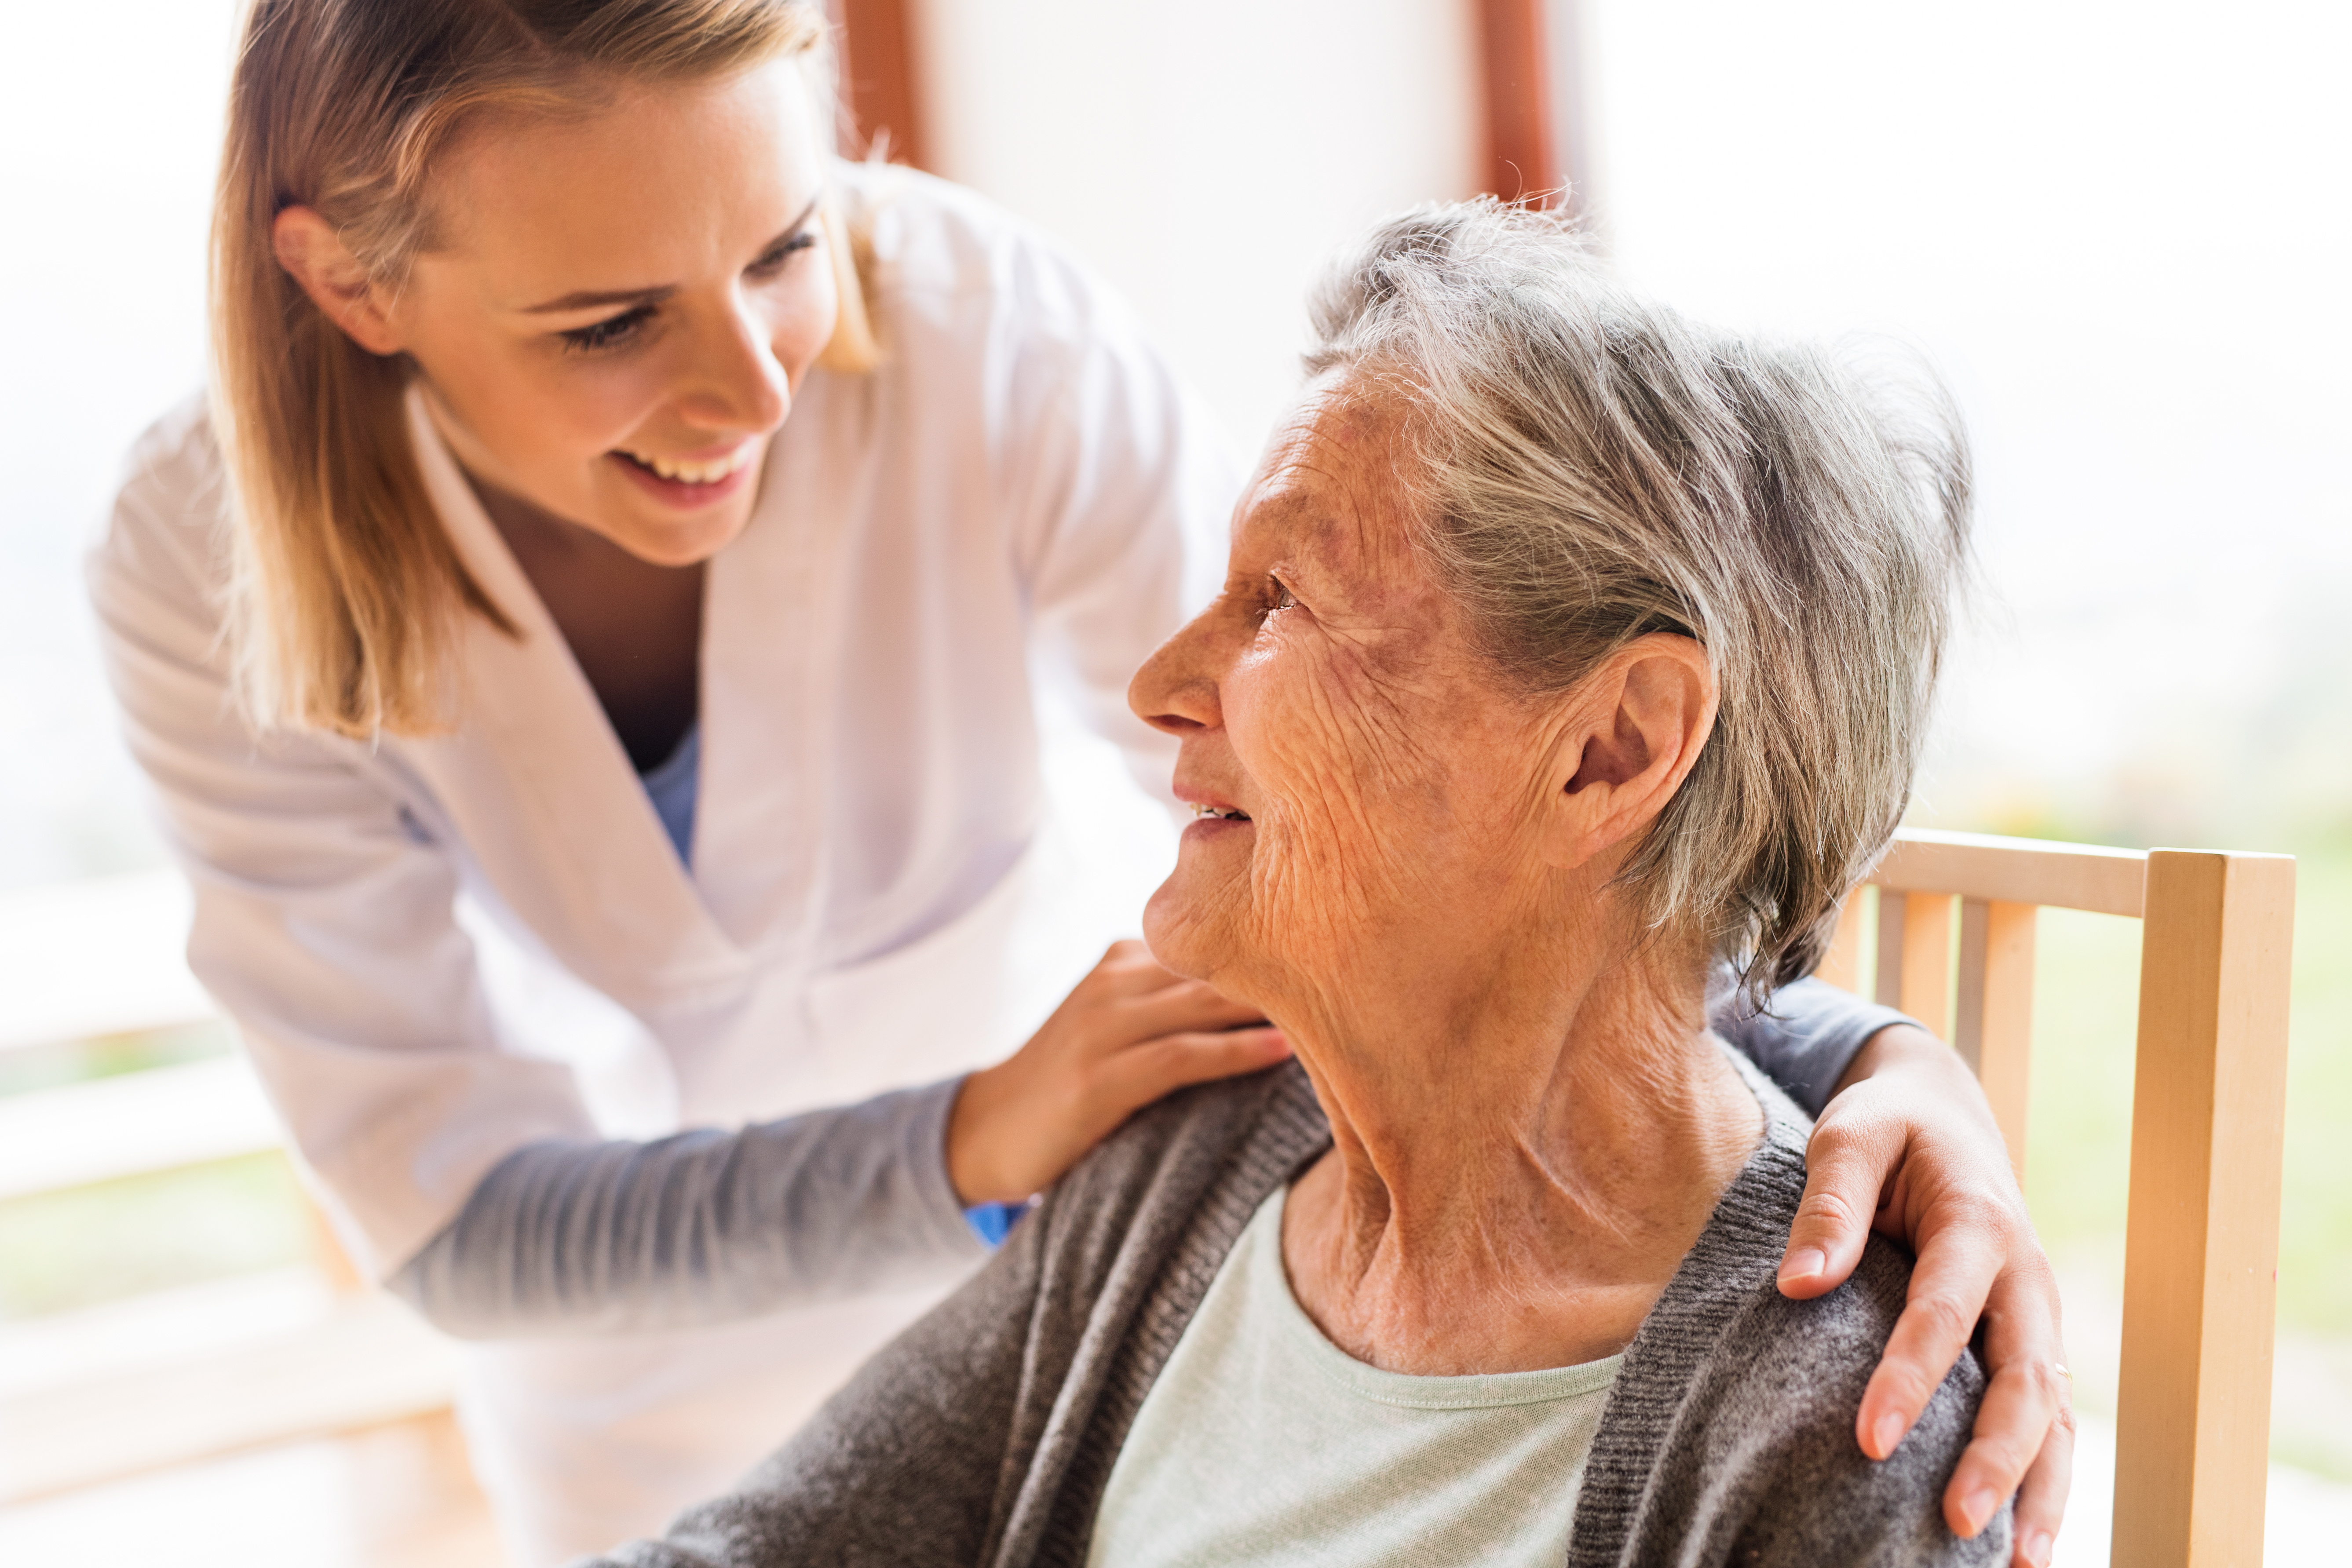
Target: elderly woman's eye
[(1279, 595)]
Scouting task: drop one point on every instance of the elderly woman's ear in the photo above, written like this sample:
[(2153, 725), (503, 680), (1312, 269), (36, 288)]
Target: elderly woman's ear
[(1634, 730)]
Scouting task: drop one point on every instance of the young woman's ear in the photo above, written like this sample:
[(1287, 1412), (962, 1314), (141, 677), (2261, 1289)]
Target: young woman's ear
[(315, 257), (1639, 724)]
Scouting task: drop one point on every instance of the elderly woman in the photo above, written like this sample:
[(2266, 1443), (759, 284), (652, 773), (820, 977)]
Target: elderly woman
[(1571, 657)]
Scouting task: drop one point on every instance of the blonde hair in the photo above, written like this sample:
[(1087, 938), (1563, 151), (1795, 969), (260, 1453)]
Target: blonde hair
[(348, 595)]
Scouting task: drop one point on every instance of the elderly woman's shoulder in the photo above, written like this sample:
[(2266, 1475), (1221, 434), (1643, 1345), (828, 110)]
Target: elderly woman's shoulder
[(1177, 1183), (1736, 1412), (1252, 1132)]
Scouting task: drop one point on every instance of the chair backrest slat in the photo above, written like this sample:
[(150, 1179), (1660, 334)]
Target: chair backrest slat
[(1841, 965), (1924, 988), (2200, 1250), (2015, 870), (2005, 1050), (1969, 982), (1887, 979), (2208, 1112)]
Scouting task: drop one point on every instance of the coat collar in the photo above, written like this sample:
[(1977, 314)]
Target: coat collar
[(541, 788), (773, 613)]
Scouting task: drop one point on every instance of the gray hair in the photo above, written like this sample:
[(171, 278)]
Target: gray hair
[(1590, 467)]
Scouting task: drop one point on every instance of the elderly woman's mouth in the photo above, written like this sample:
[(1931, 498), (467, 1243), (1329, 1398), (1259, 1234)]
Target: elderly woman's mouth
[(1220, 813)]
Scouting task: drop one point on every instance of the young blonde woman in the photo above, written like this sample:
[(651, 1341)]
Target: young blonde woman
[(583, 650)]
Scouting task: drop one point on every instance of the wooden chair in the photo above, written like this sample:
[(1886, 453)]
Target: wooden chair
[(2209, 1103)]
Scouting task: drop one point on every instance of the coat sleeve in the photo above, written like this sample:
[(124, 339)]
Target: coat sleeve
[(325, 922), (325, 926), (1119, 485)]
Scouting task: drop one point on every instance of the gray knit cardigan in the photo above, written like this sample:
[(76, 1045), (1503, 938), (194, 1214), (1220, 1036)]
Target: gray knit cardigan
[(985, 1434)]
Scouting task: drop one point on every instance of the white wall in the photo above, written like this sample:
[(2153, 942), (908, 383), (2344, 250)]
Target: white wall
[(2117, 226), (1208, 157), (110, 127), (2120, 228)]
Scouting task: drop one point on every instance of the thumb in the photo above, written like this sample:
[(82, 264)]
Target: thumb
[(1843, 1176)]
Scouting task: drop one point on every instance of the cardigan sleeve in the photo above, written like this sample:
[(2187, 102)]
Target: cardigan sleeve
[(1816, 1497), (1730, 1435), (324, 921)]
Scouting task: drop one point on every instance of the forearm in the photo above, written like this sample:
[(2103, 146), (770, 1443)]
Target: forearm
[(702, 1228), (1813, 1041), (1903, 1045)]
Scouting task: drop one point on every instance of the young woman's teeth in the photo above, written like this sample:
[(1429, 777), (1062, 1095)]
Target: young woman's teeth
[(696, 472)]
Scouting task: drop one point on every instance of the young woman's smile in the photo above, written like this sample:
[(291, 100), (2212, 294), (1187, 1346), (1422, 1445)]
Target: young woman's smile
[(618, 365), (692, 483)]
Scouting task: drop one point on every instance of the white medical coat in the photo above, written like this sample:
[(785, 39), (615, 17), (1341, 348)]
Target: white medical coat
[(1019, 480)]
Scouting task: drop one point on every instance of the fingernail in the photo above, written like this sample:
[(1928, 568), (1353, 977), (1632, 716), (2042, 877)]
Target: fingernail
[(2036, 1548), (1803, 1265), (1887, 1434), (1977, 1507)]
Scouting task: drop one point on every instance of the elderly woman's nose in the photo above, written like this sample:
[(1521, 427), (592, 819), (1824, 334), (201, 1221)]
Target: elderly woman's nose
[(1176, 690)]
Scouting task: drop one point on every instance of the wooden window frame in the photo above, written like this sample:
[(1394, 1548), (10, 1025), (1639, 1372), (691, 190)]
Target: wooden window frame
[(881, 90)]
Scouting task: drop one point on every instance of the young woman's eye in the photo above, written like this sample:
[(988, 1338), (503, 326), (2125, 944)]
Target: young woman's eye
[(773, 261), (609, 333)]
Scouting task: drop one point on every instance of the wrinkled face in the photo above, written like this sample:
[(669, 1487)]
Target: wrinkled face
[(619, 307), (1368, 791)]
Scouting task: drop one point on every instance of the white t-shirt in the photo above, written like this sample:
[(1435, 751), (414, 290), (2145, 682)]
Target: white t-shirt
[(1263, 1444)]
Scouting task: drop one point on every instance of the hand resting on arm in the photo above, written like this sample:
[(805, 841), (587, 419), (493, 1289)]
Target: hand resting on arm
[(1907, 1144)]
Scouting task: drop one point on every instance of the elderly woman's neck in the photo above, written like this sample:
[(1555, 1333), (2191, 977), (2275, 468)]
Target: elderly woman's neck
[(1515, 1176)]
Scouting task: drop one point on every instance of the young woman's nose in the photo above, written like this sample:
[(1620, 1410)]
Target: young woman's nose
[(736, 380), (1176, 690)]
